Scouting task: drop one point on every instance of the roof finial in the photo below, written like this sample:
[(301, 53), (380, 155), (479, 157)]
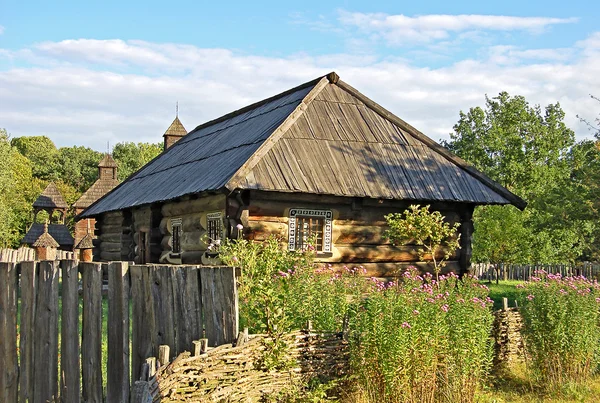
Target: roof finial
[(177, 109), (108, 147)]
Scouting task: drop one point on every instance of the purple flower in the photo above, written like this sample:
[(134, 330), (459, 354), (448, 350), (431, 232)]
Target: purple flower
[(445, 307), (239, 227), (530, 297), (406, 325), (415, 312)]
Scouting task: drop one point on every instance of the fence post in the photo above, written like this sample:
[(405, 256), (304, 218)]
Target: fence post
[(69, 362), (91, 344), (8, 333), (143, 329), (45, 353), (117, 386), (220, 304), (29, 271)]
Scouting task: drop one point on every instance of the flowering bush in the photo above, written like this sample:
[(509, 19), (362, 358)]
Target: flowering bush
[(422, 340), (561, 327)]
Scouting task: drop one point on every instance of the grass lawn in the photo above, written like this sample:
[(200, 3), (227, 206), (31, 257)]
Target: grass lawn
[(504, 288)]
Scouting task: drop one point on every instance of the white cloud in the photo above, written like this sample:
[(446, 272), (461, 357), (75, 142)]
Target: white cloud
[(401, 29), (87, 92), (1, 29)]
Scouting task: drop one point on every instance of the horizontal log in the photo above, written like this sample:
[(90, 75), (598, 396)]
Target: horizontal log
[(110, 237), (110, 256), (358, 234), (193, 257), (262, 230), (371, 253), (111, 229), (110, 246), (112, 218), (207, 203)]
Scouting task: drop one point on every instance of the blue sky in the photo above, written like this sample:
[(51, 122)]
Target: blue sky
[(90, 72)]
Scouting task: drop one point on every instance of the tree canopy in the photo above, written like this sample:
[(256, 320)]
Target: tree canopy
[(530, 151)]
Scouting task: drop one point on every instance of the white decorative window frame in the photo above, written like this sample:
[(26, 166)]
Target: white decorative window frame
[(327, 215), (176, 222)]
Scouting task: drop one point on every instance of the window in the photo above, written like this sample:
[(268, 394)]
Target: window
[(176, 235), (307, 225), (214, 224)]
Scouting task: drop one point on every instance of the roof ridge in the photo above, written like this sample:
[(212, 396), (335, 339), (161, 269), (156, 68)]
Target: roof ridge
[(276, 135), (418, 135)]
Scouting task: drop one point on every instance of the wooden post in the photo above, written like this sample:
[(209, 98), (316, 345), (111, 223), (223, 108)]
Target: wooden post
[(117, 386), (45, 352), (69, 342), (163, 355), (163, 297), (91, 345), (9, 371), (151, 361), (505, 303), (29, 272), (187, 307)]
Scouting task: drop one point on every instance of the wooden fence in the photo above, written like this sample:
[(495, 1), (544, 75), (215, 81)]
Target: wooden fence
[(507, 271), (25, 254), (170, 305)]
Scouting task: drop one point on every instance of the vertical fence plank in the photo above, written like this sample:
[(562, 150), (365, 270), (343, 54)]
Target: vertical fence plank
[(162, 295), (45, 354), (117, 386), (91, 344), (143, 333), (219, 304), (69, 342), (29, 271), (9, 382), (188, 308)]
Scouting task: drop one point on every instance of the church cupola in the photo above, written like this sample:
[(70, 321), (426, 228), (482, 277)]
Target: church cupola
[(175, 132)]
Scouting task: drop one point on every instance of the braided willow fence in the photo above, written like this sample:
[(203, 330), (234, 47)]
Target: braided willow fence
[(233, 372)]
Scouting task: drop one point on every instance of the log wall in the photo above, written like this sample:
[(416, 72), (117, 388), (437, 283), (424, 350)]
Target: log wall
[(109, 230), (357, 231), (193, 239)]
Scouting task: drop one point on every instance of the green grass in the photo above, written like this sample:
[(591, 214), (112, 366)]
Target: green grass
[(504, 289)]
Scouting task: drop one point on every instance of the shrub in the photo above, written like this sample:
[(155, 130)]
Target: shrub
[(422, 340), (561, 328)]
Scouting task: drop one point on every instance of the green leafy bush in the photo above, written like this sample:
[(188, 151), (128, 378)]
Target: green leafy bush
[(561, 328)]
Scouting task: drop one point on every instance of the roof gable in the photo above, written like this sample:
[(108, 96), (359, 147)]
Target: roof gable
[(50, 198), (342, 146)]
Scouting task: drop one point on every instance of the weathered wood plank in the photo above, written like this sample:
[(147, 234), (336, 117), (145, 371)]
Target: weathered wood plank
[(117, 385), (162, 295), (219, 304), (187, 308), (45, 353), (29, 272), (69, 342), (91, 344), (9, 381), (143, 340)]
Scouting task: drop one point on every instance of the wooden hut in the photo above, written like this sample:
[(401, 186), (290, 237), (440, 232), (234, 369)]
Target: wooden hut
[(52, 202), (320, 160), (107, 180)]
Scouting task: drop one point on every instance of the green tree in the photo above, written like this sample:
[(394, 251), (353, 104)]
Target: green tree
[(529, 150), (428, 230), (42, 153), (131, 156), (78, 166)]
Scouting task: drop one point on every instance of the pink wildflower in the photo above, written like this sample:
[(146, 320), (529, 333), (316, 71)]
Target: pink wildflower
[(530, 297), (239, 227), (445, 307), (415, 312), (406, 325)]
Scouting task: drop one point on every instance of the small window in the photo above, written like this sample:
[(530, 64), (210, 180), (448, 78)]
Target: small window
[(176, 235), (307, 225), (214, 224)]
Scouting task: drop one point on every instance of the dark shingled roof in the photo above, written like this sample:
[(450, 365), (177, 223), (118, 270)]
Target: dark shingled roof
[(96, 191), (50, 198), (86, 242), (45, 240), (59, 232), (323, 137)]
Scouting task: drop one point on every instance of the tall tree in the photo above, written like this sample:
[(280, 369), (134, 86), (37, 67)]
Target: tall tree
[(131, 156), (78, 166), (529, 150), (42, 152)]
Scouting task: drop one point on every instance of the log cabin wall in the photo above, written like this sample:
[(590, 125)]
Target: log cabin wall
[(192, 216), (109, 229), (357, 230)]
